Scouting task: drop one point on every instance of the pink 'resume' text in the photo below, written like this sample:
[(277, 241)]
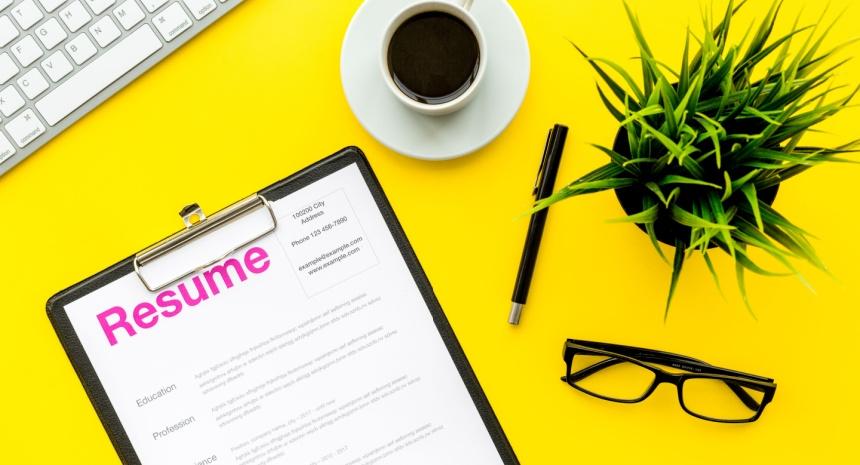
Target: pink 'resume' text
[(118, 322)]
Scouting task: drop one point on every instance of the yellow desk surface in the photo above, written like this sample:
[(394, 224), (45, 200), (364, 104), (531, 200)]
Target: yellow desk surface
[(258, 96)]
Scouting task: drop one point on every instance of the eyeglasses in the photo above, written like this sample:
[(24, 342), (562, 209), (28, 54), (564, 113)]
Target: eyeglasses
[(629, 374)]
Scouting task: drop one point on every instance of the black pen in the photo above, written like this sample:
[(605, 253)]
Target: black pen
[(544, 185)]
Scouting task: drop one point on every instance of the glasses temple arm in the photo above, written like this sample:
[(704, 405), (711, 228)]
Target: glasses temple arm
[(644, 354), (660, 357)]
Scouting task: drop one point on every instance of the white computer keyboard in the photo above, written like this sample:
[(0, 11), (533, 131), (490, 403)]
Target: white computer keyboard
[(61, 58)]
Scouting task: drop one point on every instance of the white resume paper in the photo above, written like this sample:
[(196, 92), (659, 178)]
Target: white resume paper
[(311, 346)]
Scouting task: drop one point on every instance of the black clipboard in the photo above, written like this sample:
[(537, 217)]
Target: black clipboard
[(346, 157)]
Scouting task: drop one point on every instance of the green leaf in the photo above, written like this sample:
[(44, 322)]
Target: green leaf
[(684, 77), (721, 131), (803, 88), (771, 216), (687, 101), (610, 170), (668, 107), (750, 62), (646, 216), (785, 159), (637, 31), (616, 89), (616, 158), (691, 165), (677, 179), (653, 187), (648, 202), (673, 194), (752, 197), (721, 34), (624, 75), (688, 219), (701, 237), (580, 188), (797, 62), (748, 234), (633, 135), (654, 96), (742, 257), (663, 66), (723, 72), (667, 200), (797, 244), (652, 235), (616, 113), (738, 184), (650, 110), (677, 266), (727, 190), (806, 59), (742, 286), (673, 148), (713, 271), (640, 161), (760, 114), (715, 131), (722, 29), (721, 217), (765, 28)]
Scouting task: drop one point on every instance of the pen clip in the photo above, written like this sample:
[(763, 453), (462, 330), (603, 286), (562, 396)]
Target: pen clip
[(546, 151)]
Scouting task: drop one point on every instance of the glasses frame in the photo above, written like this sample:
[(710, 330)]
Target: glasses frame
[(696, 369)]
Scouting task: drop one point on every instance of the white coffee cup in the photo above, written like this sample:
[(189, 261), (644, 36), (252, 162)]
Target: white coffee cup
[(459, 10)]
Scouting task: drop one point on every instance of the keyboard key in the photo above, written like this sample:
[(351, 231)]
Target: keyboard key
[(8, 68), (98, 6), (104, 70), (152, 5), (81, 48), (50, 33), (32, 83), (27, 14), (6, 148), (200, 8), (129, 14), (51, 5), (75, 16), (27, 51), (8, 31), (57, 66), (10, 101), (172, 21), (5, 4), (105, 31), (25, 128)]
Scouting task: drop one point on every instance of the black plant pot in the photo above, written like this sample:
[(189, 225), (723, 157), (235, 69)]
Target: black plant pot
[(667, 230)]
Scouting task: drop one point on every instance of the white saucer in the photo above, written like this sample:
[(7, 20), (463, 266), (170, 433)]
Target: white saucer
[(435, 137)]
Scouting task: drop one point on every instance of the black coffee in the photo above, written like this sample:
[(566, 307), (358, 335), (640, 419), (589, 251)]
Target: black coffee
[(433, 57)]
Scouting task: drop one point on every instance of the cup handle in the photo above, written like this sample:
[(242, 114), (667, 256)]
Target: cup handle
[(467, 4)]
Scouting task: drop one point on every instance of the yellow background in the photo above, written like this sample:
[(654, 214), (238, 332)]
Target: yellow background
[(258, 96)]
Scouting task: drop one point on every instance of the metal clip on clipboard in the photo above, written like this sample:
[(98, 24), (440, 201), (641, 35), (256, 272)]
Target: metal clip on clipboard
[(185, 252)]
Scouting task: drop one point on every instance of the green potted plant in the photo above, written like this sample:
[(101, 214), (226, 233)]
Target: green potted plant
[(701, 151)]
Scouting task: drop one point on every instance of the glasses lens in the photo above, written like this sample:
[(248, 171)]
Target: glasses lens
[(720, 399), (610, 377)]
